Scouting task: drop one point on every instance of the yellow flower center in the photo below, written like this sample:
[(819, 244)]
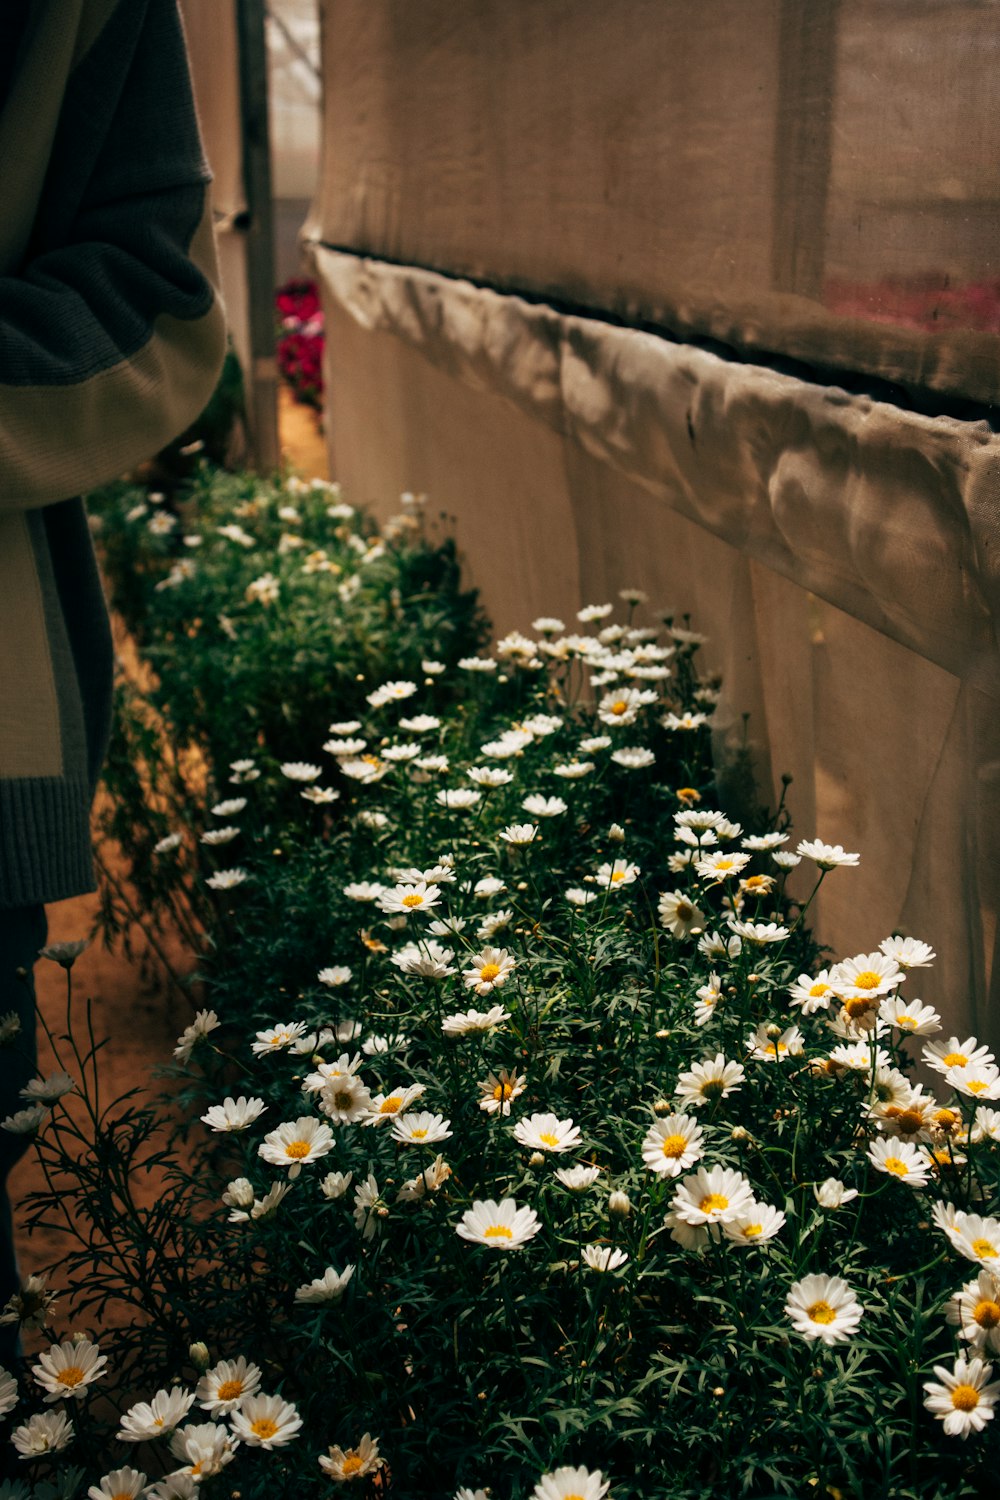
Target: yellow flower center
[(420, 1134), (343, 1099), (987, 1313), (503, 1091), (713, 1203), (945, 1119), (896, 1165), (684, 910), (352, 1463), (413, 900), (723, 864), (688, 794), (985, 1249), (617, 874), (821, 1312), (751, 1231), (548, 1139), (371, 760), (858, 1006), (390, 1106), (909, 1121), (712, 1087), (229, 1390), (489, 972), (819, 989), (965, 1398), (498, 1232), (123, 1495), (674, 1146), (976, 1085), (264, 1427), (908, 1021), (297, 1150), (621, 707), (756, 882), (868, 980), (71, 1376)]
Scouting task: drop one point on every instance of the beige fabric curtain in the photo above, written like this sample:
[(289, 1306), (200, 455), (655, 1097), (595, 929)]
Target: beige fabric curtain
[(600, 167), (815, 178)]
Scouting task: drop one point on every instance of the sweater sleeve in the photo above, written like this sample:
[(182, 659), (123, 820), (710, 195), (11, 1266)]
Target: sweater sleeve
[(112, 334)]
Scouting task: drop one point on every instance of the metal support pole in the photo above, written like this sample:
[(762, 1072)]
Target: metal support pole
[(258, 230)]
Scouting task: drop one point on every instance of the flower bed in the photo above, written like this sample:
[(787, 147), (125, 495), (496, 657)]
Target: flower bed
[(538, 1157), (300, 340)]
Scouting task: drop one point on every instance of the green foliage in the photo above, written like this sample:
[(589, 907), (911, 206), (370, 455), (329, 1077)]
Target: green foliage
[(369, 895)]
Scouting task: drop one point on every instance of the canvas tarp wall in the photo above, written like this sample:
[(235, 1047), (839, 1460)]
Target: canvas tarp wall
[(628, 169)]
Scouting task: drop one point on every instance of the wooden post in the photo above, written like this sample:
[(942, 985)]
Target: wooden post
[(258, 231)]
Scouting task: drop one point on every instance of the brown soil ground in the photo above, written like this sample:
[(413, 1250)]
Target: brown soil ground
[(140, 1016)]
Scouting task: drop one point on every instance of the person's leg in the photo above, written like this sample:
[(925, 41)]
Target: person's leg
[(22, 934)]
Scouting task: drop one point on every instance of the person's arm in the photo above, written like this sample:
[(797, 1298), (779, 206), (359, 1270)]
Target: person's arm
[(111, 332)]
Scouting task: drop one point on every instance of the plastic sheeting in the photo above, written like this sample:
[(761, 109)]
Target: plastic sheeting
[(813, 178)]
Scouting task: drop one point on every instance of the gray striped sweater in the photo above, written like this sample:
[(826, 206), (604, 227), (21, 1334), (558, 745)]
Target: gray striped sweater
[(111, 338)]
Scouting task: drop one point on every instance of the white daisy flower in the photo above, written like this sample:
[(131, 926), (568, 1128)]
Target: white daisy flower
[(430, 1180), (401, 752), (392, 692), (428, 960), (354, 1463), (489, 885), (770, 1044), (320, 796), (296, 1143), (975, 1310), (832, 1193), (119, 1484), (672, 1145), (975, 1081), (46, 1432), (786, 860), (489, 776), (205, 1448), (685, 722), (227, 880), (152, 1419), (420, 724), (823, 1307), (595, 743), (329, 1287), (810, 994), (459, 799), (266, 1422), (760, 843), (345, 727), (8, 1392), (572, 1484), (335, 1184), (577, 1179), (574, 770), (233, 1114), (622, 707), (546, 1132), (224, 1388), (501, 1226), (961, 1398), (369, 1210), (496, 1093), (167, 844), (712, 1079), (973, 1236), (518, 835), (826, 856), (909, 1015), (229, 808), (423, 1129), (334, 977), (470, 1021), (900, 1159), (345, 749), (301, 770), (410, 898), (493, 923), (48, 1090), (678, 913), (867, 976), (67, 1369), (213, 836), (489, 969), (544, 807), (484, 664), (387, 1106), (754, 1224), (367, 771), (956, 1054), (633, 758), (577, 896), (616, 875), (707, 998), (907, 952), (711, 1196), (603, 1258), (721, 866), (277, 1038)]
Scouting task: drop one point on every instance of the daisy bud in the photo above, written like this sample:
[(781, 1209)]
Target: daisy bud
[(619, 1203), (199, 1355), (616, 833), (739, 1133), (536, 1159), (662, 1107)]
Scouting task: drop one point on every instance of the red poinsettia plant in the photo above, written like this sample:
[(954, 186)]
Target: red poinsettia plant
[(300, 340)]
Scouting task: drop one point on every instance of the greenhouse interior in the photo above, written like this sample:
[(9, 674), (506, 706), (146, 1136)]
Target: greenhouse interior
[(501, 678)]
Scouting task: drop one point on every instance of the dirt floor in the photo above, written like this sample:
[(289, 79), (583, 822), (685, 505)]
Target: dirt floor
[(141, 1018)]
